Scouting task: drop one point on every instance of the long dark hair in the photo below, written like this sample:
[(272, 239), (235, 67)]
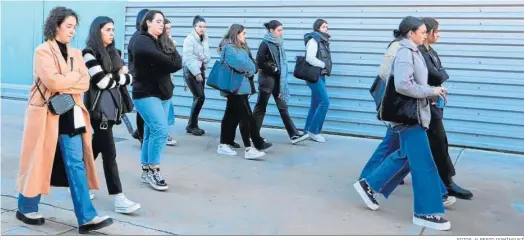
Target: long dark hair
[(231, 37), (109, 57), (166, 43), (149, 17), (55, 19), (431, 24), (407, 24)]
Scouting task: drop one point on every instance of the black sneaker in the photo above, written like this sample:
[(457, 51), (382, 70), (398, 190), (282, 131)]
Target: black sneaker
[(156, 180), (299, 138), (195, 131), (436, 222), (235, 145), (367, 194), (265, 146)]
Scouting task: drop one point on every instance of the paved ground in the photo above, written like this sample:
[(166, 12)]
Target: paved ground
[(297, 190)]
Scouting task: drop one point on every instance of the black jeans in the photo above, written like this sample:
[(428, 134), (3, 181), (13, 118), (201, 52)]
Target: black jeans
[(260, 111), (438, 141), (104, 143), (199, 97), (238, 111)]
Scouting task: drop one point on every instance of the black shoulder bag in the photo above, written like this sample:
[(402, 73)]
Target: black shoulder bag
[(396, 107)]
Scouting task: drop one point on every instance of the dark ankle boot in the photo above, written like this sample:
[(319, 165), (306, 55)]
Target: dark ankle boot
[(458, 192)]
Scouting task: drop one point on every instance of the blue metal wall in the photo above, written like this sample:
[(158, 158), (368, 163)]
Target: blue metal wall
[(22, 23), (482, 45)]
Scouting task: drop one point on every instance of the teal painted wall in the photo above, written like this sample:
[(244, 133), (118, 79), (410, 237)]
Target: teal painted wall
[(22, 23)]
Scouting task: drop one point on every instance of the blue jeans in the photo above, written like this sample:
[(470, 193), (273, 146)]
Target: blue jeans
[(414, 155), (171, 115), (156, 128), (390, 143), (72, 154), (319, 106)]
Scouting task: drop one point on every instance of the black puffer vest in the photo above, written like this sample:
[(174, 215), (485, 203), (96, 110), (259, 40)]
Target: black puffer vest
[(323, 53)]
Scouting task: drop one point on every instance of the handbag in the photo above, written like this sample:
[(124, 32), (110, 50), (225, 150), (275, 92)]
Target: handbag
[(377, 91), (225, 78), (396, 107), (59, 103), (305, 71)]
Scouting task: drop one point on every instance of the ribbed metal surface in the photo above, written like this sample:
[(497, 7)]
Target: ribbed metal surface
[(482, 46)]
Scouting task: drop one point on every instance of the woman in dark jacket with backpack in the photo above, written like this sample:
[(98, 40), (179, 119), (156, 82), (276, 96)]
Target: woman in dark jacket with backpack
[(272, 80), (436, 133), (154, 61), (106, 101)]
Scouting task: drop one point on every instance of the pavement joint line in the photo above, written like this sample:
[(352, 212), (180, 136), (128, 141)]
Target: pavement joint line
[(70, 210), (459, 155)]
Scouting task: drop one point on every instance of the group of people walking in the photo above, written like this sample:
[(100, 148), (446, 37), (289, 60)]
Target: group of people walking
[(59, 148)]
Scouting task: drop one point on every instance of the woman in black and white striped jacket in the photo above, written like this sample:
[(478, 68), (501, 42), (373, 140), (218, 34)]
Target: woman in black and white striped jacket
[(107, 100)]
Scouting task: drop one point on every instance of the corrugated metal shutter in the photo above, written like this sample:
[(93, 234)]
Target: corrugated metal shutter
[(482, 46)]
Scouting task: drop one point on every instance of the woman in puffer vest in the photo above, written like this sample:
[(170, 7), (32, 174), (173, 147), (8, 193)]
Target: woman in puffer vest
[(318, 55)]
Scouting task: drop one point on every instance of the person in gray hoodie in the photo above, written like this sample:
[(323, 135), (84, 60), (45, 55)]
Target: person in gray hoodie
[(411, 79)]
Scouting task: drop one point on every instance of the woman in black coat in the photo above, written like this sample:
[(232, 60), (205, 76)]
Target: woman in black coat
[(272, 80), (436, 133)]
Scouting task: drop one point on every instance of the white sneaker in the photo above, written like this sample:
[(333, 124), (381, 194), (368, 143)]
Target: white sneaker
[(317, 138), (91, 194), (124, 205), (224, 149), (171, 141), (449, 200), (253, 153)]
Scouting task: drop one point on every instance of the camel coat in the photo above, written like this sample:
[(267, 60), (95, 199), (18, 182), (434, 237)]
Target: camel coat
[(40, 134)]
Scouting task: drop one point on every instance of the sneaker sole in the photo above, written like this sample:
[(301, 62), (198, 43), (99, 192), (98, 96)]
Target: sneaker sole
[(255, 157), (437, 226), (316, 140), (301, 139), (364, 196), (159, 188), (450, 202), (93, 227), (127, 209), (30, 221), (171, 144), (227, 153)]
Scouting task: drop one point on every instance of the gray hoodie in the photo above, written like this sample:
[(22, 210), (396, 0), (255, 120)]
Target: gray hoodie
[(411, 78)]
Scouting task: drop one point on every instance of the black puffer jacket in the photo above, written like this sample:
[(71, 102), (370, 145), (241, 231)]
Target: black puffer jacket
[(153, 68)]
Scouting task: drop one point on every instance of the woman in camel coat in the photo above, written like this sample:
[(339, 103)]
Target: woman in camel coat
[(58, 68)]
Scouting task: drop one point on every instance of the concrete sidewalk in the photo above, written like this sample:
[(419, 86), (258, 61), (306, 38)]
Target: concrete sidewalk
[(303, 189)]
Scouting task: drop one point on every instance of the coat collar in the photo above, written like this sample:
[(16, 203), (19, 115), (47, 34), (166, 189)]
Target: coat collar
[(64, 64), (196, 37)]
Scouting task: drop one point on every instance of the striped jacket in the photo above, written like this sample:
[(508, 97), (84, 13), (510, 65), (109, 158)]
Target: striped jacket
[(101, 81)]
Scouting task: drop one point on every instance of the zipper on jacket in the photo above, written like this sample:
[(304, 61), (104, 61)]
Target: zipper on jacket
[(96, 100)]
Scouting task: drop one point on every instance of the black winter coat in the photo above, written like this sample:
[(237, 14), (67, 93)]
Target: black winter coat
[(153, 68), (437, 75), (269, 70)]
